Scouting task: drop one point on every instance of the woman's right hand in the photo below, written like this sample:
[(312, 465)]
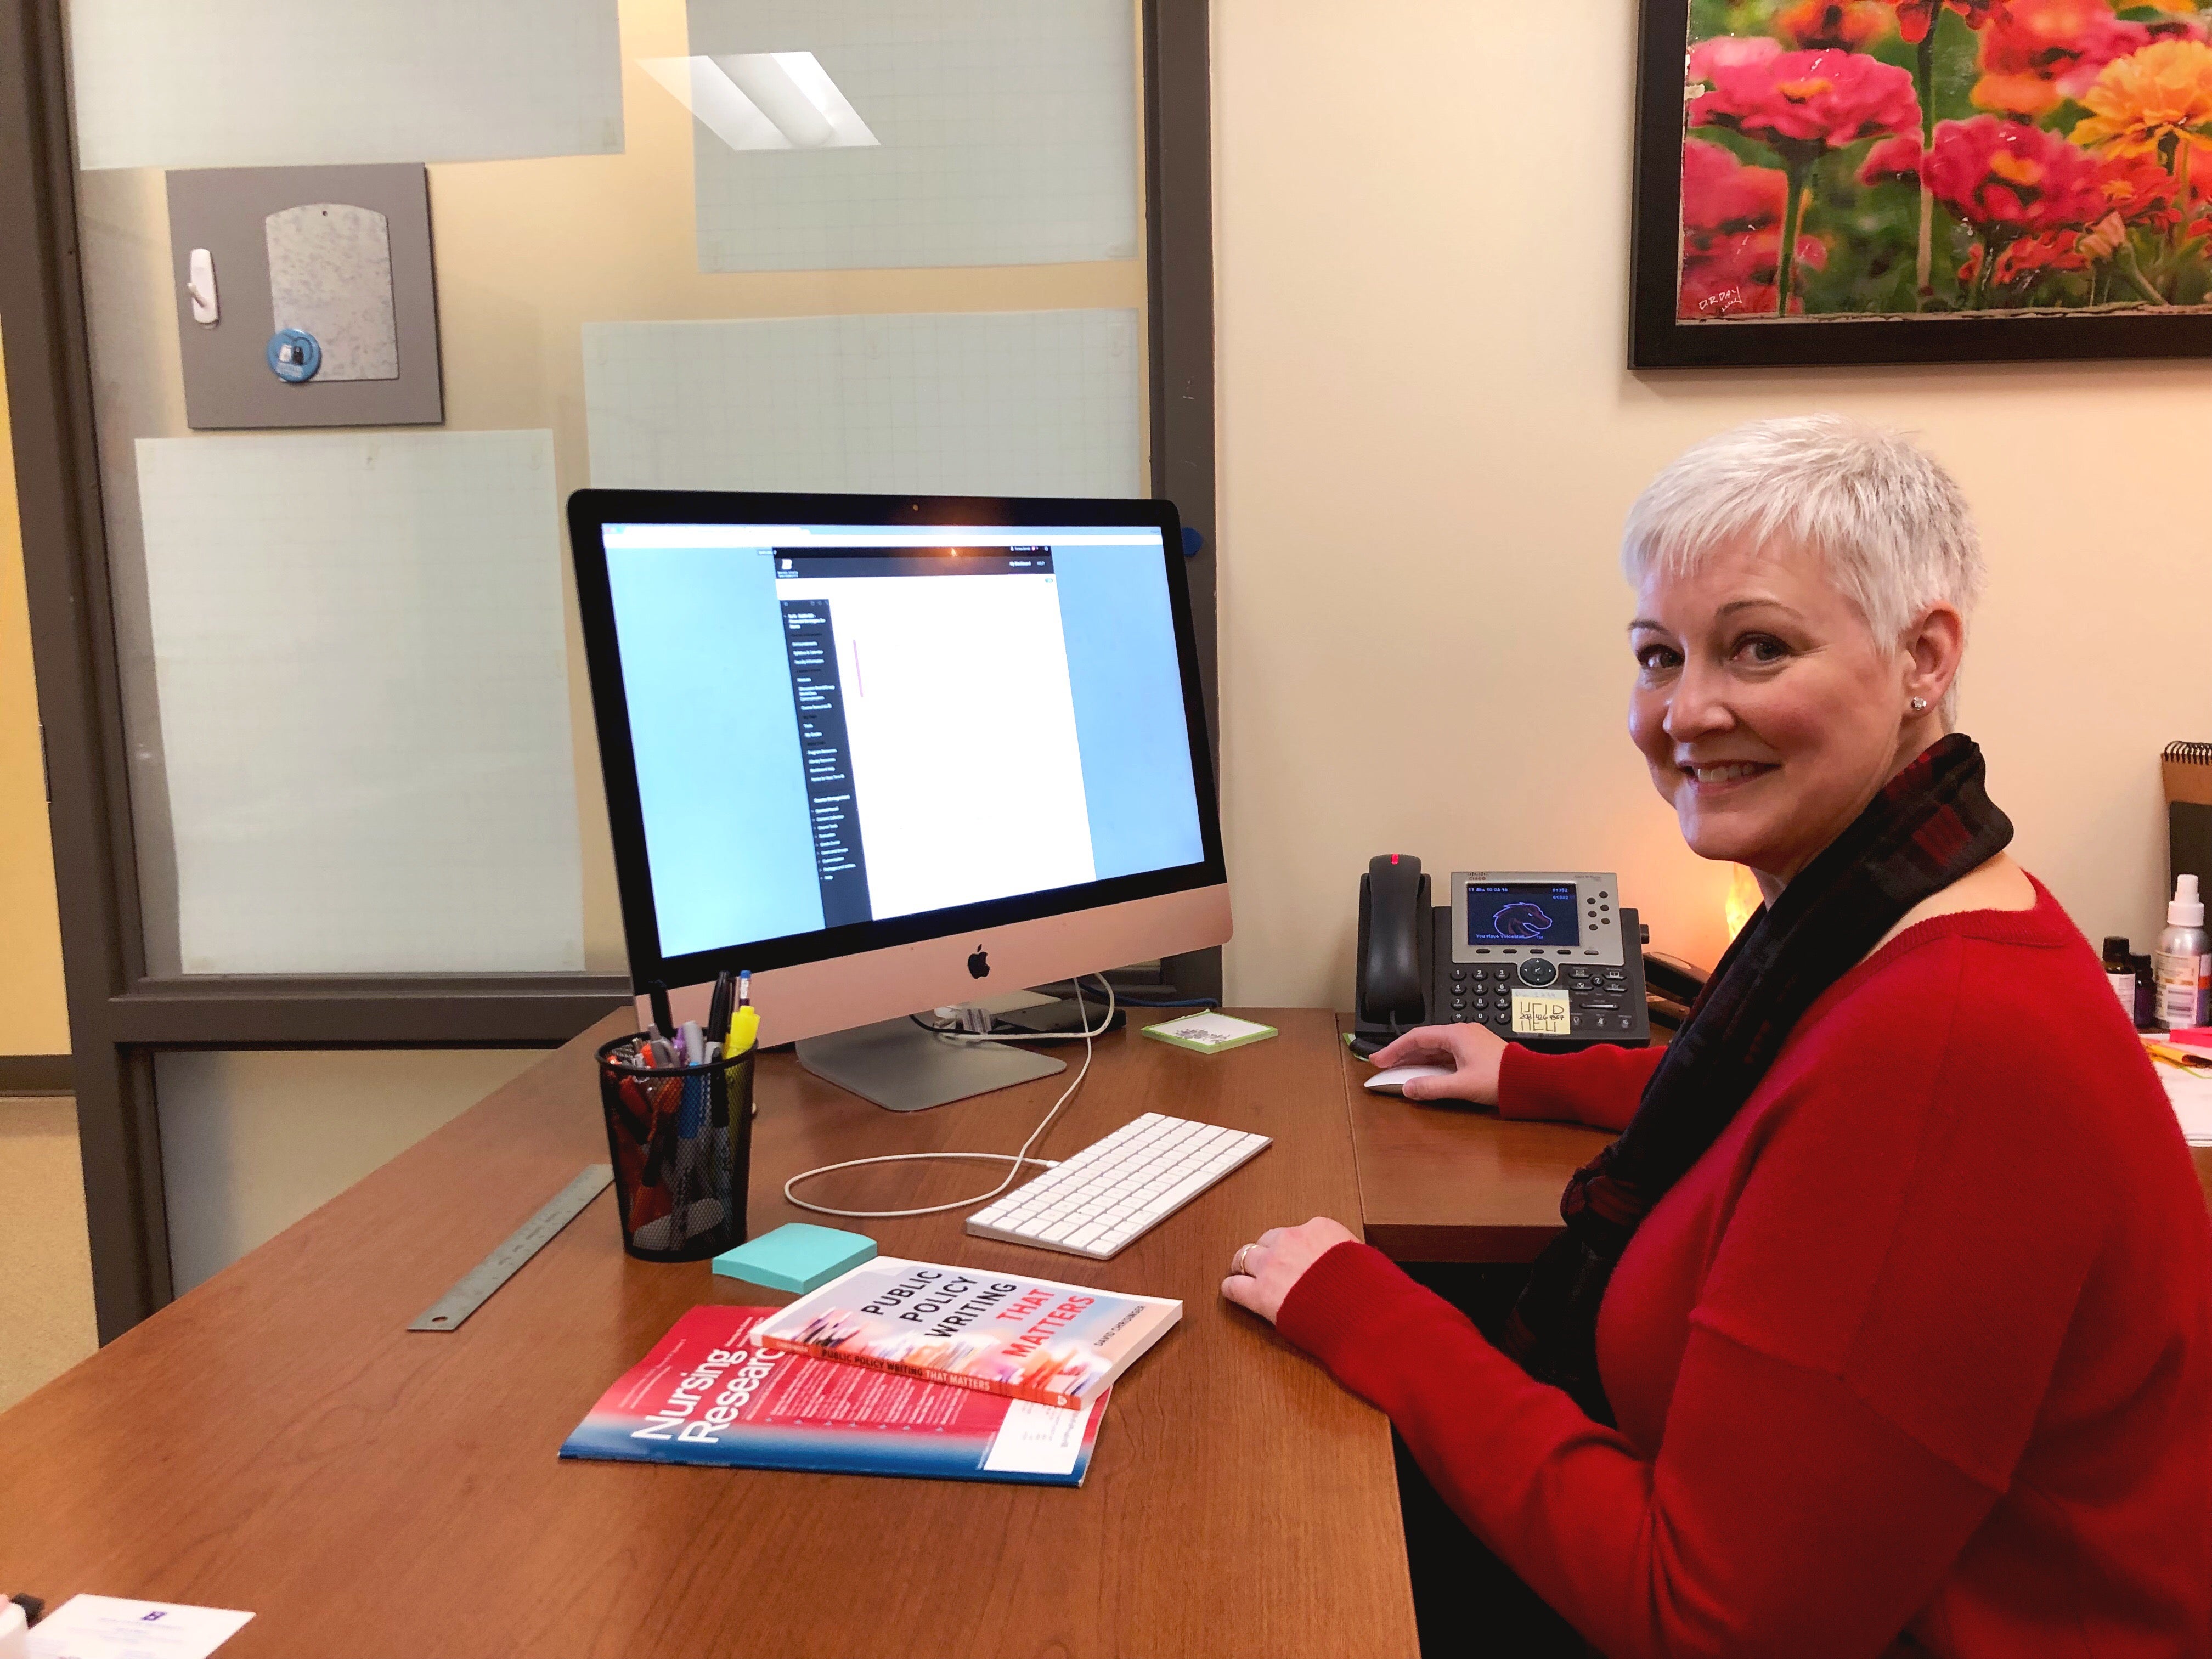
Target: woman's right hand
[(1473, 1053)]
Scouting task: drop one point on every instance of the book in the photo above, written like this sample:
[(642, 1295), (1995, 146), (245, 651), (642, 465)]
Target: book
[(1209, 1033), (1032, 1339), (709, 1394)]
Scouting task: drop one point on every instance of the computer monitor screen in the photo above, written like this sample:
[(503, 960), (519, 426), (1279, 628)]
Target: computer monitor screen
[(870, 722)]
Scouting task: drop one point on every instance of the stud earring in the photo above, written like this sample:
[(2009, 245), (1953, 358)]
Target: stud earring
[(1920, 705)]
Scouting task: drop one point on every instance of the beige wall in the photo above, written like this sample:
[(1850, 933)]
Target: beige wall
[(1428, 442), (32, 1019)]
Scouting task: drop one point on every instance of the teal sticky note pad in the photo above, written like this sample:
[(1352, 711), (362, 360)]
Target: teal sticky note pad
[(795, 1257)]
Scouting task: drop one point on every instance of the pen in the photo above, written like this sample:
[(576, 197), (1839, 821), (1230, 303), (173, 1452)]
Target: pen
[(717, 1014), (690, 1045), (663, 1018)]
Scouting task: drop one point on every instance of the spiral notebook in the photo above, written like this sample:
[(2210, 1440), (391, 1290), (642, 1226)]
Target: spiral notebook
[(2187, 770)]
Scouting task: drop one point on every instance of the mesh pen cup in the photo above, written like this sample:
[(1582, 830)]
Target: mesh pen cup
[(680, 1139)]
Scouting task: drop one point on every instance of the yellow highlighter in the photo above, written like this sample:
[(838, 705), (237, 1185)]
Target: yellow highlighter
[(745, 1024)]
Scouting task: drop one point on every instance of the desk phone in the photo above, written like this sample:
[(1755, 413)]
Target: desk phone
[(1550, 959)]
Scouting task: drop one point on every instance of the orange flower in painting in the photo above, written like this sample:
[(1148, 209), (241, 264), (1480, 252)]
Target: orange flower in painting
[(1854, 25), (1916, 17), (2055, 250), (2038, 51), (2140, 101), (2140, 192)]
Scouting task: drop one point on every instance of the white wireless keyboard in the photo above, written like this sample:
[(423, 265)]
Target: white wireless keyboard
[(1116, 1189)]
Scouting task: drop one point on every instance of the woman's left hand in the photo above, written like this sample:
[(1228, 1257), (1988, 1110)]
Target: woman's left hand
[(1262, 1273)]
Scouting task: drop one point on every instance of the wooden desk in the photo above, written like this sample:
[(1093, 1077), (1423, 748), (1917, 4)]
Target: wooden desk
[(277, 1441), (1455, 1182), (1442, 1183)]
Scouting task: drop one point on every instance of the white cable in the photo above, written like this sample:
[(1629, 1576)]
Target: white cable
[(1015, 1160)]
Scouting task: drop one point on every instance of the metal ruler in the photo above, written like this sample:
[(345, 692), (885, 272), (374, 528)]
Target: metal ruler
[(476, 1285)]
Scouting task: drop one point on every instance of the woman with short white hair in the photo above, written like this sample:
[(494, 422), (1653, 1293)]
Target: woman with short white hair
[(1885, 1326)]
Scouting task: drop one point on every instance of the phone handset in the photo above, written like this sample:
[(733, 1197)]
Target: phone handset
[(1394, 917)]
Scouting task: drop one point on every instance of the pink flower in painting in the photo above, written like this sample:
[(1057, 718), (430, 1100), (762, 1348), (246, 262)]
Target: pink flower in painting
[(1721, 194), (1740, 276), (1732, 235), (1802, 102), (1893, 161), (1726, 51), (2010, 177)]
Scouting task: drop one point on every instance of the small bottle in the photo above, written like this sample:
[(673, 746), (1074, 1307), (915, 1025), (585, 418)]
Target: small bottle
[(2180, 965), (2120, 973), (2146, 994)]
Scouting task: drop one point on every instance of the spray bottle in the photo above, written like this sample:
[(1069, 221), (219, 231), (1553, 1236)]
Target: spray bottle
[(2180, 965)]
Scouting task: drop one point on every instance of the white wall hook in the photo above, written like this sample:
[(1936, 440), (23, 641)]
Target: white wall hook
[(202, 287)]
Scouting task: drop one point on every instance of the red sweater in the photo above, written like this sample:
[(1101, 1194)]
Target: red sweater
[(1922, 1344)]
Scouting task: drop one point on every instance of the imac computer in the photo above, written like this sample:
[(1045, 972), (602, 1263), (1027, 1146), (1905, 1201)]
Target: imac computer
[(890, 753)]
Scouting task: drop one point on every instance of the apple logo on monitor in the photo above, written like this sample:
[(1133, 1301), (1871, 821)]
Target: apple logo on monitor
[(979, 965)]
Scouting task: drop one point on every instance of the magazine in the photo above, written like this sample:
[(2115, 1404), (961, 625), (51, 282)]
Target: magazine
[(709, 1394), (1034, 1339)]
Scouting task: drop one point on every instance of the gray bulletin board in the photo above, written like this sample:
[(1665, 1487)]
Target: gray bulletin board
[(333, 233)]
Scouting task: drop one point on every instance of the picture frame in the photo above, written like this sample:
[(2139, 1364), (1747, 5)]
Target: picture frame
[(1853, 223)]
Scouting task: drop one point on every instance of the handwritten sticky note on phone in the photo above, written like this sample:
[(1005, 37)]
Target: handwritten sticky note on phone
[(1540, 1012)]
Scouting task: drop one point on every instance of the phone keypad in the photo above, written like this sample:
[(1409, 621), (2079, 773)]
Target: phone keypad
[(1598, 996)]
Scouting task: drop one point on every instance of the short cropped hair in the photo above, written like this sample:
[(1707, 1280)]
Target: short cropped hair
[(1890, 524)]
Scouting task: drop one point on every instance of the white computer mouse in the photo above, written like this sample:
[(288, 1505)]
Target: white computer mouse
[(1393, 1081)]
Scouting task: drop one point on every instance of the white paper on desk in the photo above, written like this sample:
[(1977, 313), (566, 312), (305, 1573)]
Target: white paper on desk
[(1038, 1440), (111, 1628), (2192, 1102)]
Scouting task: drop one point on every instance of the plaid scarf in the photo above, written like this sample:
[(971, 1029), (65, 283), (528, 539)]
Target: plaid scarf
[(1929, 825)]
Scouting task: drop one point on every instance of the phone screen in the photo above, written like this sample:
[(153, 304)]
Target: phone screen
[(1522, 914)]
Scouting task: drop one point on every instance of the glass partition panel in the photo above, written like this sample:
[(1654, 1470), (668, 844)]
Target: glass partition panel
[(356, 334)]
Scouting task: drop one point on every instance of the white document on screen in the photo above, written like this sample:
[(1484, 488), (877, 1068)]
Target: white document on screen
[(960, 724)]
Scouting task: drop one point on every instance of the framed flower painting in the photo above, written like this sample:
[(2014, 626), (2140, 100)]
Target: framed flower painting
[(1866, 181)]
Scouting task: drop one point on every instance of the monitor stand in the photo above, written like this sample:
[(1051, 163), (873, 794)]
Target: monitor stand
[(903, 1068)]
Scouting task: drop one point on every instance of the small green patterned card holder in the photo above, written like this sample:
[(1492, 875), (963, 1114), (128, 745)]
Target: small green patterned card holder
[(1209, 1033)]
